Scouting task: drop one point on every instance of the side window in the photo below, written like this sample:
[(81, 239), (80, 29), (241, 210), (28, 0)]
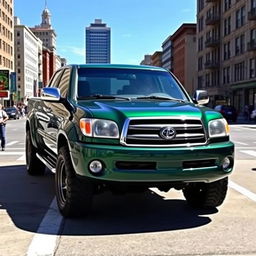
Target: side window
[(55, 79), (64, 83)]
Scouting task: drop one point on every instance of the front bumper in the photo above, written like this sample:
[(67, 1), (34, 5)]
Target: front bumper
[(167, 164)]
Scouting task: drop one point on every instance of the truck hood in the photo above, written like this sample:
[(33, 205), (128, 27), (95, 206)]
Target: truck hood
[(120, 110)]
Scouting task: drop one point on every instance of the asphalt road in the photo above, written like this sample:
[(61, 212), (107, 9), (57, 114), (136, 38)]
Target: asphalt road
[(153, 223)]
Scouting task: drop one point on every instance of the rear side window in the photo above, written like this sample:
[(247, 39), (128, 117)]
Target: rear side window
[(64, 83), (55, 79)]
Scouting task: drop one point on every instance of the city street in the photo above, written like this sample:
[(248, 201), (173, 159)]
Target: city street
[(153, 223)]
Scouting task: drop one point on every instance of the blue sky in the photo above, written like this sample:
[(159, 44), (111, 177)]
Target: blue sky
[(138, 27)]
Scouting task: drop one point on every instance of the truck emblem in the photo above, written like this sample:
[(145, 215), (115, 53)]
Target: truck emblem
[(167, 133)]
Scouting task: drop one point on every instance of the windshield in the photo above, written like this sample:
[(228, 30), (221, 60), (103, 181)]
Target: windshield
[(130, 83)]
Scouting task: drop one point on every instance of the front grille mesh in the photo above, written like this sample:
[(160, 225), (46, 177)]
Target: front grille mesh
[(147, 132)]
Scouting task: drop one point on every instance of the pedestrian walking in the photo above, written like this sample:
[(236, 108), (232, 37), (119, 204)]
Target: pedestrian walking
[(3, 119)]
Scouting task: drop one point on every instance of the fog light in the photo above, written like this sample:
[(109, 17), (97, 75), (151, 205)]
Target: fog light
[(226, 164), (95, 167)]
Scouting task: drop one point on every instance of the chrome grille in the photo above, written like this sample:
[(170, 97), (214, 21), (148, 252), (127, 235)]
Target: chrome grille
[(146, 132)]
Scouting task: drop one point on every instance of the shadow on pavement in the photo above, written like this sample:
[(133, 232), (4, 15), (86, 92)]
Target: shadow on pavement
[(27, 199), (136, 213)]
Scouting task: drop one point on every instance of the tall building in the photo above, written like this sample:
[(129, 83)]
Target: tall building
[(47, 35), (28, 62), (184, 55), (98, 42), (167, 53), (227, 51), (45, 32), (6, 45)]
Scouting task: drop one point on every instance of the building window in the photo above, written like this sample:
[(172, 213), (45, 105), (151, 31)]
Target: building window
[(200, 63), (239, 45), (200, 5), (215, 78), (240, 17), (207, 80), (253, 35), (253, 4), (227, 51), (201, 43), (226, 75), (201, 24), (227, 26), (239, 72), (200, 82), (227, 5), (252, 68)]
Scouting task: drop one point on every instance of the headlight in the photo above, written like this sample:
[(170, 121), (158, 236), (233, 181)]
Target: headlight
[(218, 128), (99, 128)]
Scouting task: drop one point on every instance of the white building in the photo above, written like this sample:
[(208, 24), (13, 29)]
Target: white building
[(45, 32), (28, 61)]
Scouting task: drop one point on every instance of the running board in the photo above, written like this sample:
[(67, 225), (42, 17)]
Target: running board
[(46, 163)]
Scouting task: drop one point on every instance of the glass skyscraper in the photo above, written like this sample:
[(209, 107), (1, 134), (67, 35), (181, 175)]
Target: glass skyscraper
[(98, 43)]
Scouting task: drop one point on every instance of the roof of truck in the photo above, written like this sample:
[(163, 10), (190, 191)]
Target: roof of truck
[(124, 66)]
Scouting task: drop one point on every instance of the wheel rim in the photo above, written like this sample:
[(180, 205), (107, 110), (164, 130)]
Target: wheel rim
[(62, 183)]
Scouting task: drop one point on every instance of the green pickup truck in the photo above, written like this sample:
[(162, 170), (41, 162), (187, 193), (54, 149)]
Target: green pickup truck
[(126, 128)]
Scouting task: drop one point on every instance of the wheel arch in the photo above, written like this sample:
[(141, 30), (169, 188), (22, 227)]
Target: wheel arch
[(63, 140)]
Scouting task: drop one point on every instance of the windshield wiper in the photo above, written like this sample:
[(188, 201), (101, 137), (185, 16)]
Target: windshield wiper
[(102, 96), (152, 97)]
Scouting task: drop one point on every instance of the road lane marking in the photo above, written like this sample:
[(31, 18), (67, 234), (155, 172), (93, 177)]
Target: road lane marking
[(22, 158), (242, 190), (245, 147), (249, 152), (11, 143), (45, 241), (18, 149), (240, 143), (10, 153)]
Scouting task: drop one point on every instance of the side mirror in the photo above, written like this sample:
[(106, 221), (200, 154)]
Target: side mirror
[(51, 94), (201, 97)]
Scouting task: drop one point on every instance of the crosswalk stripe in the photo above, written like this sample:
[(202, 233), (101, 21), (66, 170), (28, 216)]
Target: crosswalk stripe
[(11, 143), (249, 152), (10, 153), (22, 158), (241, 143), (242, 190)]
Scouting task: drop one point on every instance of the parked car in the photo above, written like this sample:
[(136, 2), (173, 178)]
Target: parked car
[(12, 113), (228, 112)]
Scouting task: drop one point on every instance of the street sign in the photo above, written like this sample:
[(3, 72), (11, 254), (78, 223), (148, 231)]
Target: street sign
[(4, 83), (4, 94), (4, 80)]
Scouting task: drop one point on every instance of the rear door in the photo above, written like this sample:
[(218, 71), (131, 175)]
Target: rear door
[(57, 112), (44, 116)]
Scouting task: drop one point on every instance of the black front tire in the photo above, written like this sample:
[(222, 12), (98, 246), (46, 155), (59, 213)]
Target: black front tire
[(206, 195), (34, 166), (74, 195)]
